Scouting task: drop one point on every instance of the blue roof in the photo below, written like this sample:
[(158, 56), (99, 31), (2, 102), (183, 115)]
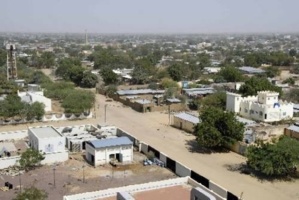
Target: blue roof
[(110, 142)]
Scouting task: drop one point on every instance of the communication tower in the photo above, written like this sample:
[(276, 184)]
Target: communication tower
[(11, 62)]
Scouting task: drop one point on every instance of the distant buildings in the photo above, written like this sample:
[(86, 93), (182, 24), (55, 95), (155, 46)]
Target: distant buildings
[(264, 107), (251, 70)]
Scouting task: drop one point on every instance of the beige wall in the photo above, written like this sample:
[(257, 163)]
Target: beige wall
[(291, 133), (183, 124)]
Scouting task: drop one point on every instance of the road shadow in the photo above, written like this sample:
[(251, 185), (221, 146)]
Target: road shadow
[(246, 170), (194, 147)]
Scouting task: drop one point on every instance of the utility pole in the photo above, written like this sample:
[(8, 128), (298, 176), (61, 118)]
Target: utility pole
[(169, 114), (83, 173), (105, 112), (54, 169), (20, 181)]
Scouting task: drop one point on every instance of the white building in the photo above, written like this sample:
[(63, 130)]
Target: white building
[(264, 107), (99, 152), (35, 94), (46, 139)]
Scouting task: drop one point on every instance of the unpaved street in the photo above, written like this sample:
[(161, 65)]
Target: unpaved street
[(153, 129)]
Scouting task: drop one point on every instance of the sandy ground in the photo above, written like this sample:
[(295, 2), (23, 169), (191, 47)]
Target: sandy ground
[(69, 177), (153, 129)]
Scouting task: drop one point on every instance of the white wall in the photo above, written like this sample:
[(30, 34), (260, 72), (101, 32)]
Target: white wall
[(57, 144), (9, 161), (13, 135), (102, 156), (51, 158)]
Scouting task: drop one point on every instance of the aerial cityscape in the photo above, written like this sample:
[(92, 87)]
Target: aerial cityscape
[(123, 100)]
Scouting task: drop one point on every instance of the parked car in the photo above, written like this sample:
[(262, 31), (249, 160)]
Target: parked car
[(147, 162)]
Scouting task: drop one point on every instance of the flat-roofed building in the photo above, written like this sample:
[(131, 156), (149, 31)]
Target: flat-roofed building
[(99, 152), (185, 121), (46, 139)]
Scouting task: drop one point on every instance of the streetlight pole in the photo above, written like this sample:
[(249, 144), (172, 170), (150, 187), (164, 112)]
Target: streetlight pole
[(54, 169), (20, 181), (105, 112), (83, 173)]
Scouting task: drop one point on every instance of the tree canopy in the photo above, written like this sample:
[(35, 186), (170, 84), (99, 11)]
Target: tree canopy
[(30, 159), (217, 128), (274, 159), (78, 102), (255, 84), (175, 71), (217, 100), (32, 193), (231, 74), (108, 76)]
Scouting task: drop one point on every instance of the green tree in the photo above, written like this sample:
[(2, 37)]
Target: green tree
[(175, 71), (89, 80), (108, 76), (11, 106), (272, 72), (217, 100), (78, 101), (218, 129), (47, 59), (76, 74), (169, 83), (32, 193), (3, 56), (274, 159), (204, 60), (255, 84), (35, 110), (231, 74), (293, 52), (30, 159)]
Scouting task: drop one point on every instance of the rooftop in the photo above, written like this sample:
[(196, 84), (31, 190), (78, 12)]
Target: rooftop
[(110, 142), (136, 92), (251, 70), (143, 101), (45, 132), (293, 128), (187, 117)]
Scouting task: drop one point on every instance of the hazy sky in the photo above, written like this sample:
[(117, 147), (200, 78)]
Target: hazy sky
[(149, 16)]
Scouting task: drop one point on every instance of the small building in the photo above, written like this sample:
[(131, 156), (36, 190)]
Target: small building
[(292, 131), (99, 152), (46, 139), (251, 70), (265, 107), (185, 121)]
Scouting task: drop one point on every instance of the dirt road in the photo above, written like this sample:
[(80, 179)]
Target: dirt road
[(153, 129)]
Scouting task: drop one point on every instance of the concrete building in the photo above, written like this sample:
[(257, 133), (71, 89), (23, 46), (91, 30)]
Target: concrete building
[(36, 94), (99, 152), (46, 139), (185, 121), (265, 107)]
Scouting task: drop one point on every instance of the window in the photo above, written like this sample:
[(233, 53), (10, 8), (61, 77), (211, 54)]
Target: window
[(284, 113), (265, 116), (246, 111), (251, 111), (261, 113)]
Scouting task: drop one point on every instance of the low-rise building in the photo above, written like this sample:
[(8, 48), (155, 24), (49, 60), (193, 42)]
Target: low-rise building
[(185, 121), (265, 107), (99, 152), (46, 139), (292, 131)]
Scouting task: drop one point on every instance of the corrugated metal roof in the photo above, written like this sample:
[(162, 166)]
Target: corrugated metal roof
[(136, 92), (296, 106), (293, 128), (251, 70), (245, 121), (111, 142), (143, 101), (174, 100), (187, 117)]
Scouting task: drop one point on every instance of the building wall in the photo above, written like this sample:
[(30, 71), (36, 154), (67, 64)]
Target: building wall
[(102, 156), (186, 125), (261, 107), (51, 158), (291, 133)]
